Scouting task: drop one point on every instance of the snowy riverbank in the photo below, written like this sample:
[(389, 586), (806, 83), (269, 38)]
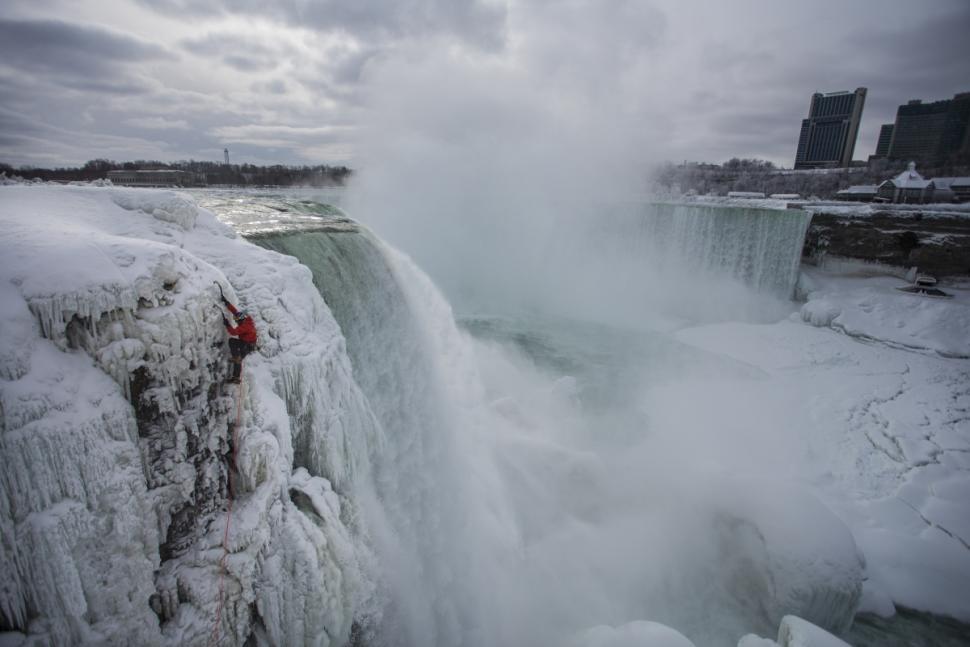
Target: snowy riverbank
[(865, 395)]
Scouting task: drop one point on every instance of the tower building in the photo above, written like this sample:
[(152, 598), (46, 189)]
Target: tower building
[(827, 137), (934, 132), (885, 139)]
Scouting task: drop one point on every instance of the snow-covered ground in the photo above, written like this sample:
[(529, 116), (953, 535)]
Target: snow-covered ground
[(853, 209), (864, 396)]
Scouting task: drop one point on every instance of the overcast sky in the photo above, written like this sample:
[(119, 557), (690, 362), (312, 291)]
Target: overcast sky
[(305, 82)]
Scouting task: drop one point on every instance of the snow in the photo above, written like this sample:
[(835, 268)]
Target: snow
[(855, 210), (873, 309), (116, 429), (862, 396), (909, 179)]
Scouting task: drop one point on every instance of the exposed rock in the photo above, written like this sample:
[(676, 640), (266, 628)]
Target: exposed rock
[(937, 244)]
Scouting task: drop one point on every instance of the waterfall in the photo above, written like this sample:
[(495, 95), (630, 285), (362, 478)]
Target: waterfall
[(475, 547), (665, 265), (760, 248), (406, 354)]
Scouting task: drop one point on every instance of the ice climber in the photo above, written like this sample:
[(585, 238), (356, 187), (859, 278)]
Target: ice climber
[(242, 338)]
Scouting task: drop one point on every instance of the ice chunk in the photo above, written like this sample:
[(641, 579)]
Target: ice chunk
[(752, 640), (167, 206), (795, 632), (820, 312), (640, 633)]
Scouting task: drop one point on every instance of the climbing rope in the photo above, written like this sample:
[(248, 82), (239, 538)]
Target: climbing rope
[(214, 637)]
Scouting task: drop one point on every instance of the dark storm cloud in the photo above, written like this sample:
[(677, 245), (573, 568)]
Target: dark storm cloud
[(70, 51), (472, 20), (939, 46)]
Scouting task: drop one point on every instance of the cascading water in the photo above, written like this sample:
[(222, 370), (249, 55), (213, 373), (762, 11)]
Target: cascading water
[(758, 247), (642, 261), (500, 511), (395, 351)]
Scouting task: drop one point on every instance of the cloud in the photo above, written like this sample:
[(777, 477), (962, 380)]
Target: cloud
[(56, 146), (677, 79), (243, 53), (480, 22), (276, 86), (72, 52), (158, 123), (289, 137)]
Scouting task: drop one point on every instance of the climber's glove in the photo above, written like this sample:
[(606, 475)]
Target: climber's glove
[(225, 322)]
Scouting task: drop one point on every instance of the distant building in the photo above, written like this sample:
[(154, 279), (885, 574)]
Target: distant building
[(858, 193), (885, 139), (961, 189), (908, 186), (827, 137), (153, 178), (745, 194), (933, 133), (952, 189)]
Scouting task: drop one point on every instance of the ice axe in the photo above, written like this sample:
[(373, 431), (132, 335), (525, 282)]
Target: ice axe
[(222, 295)]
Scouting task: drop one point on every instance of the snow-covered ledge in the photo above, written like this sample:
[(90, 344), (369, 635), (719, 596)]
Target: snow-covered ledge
[(116, 423)]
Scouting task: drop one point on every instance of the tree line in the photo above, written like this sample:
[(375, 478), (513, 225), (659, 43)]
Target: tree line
[(206, 173)]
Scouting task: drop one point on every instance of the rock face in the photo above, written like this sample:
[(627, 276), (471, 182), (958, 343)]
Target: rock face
[(936, 244), (122, 444)]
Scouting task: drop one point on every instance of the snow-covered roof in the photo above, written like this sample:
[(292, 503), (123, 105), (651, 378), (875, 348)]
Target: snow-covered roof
[(910, 179), (948, 182), (861, 188)]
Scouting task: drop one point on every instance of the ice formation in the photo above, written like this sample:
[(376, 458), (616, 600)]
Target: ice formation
[(641, 633), (795, 632), (117, 425)]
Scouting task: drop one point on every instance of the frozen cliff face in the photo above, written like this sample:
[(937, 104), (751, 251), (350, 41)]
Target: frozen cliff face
[(118, 432)]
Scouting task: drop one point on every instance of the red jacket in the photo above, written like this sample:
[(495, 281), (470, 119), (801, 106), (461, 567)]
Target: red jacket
[(246, 330)]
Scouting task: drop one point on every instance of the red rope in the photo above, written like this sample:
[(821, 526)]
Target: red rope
[(225, 535)]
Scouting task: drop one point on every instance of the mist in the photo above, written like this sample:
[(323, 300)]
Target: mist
[(476, 155), (579, 499)]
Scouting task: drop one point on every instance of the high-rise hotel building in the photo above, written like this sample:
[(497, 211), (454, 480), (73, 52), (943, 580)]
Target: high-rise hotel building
[(827, 138), (932, 133)]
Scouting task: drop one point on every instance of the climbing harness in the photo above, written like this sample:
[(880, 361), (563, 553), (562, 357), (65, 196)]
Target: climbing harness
[(231, 494)]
